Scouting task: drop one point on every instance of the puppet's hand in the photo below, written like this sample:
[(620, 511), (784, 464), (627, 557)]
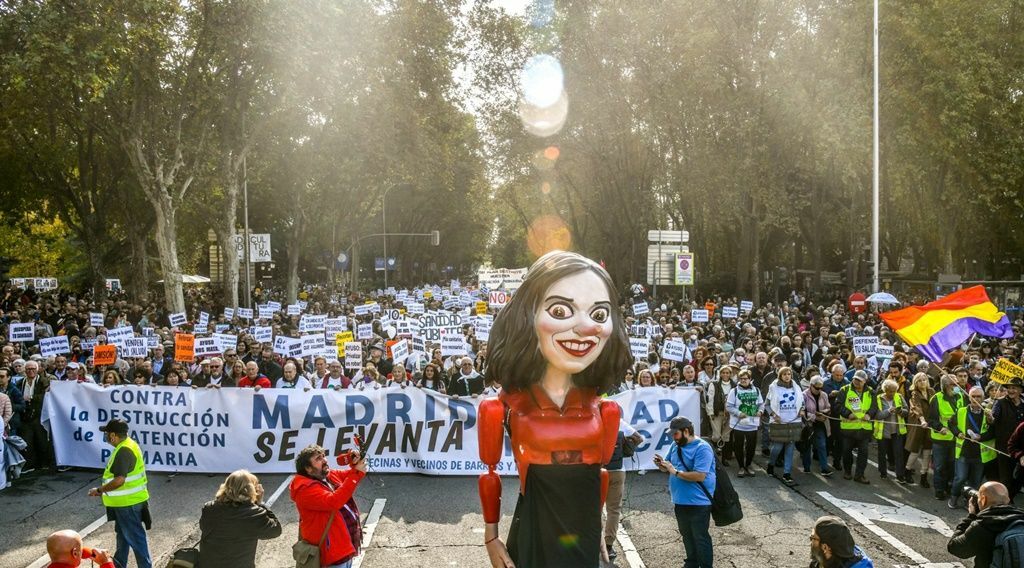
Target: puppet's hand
[(499, 554)]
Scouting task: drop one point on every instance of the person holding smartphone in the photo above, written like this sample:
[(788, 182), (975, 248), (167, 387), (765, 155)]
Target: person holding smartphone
[(690, 464)]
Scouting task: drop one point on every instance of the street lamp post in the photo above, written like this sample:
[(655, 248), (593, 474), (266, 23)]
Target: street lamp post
[(874, 174), (384, 219)]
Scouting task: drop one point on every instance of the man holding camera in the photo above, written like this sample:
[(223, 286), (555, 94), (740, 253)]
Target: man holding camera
[(66, 551), (691, 467), (989, 514), (327, 511)]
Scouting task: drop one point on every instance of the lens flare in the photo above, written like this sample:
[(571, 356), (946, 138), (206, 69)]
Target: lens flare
[(541, 161), (541, 81), (552, 153), (545, 188), (548, 233), (544, 122)]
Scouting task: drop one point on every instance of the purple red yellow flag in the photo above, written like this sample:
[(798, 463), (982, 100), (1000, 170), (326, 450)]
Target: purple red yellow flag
[(939, 326)]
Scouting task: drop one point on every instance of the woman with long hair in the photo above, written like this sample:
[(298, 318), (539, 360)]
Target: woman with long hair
[(919, 440), (234, 522), (556, 346)]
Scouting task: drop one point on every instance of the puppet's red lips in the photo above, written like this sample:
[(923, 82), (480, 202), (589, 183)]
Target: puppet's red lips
[(577, 348)]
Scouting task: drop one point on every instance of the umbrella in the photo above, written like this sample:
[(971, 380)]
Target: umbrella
[(882, 298)]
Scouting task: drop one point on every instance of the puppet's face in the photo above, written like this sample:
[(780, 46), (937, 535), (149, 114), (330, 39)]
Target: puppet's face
[(574, 322)]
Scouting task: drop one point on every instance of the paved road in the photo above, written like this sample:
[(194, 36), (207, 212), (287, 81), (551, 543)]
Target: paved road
[(435, 521)]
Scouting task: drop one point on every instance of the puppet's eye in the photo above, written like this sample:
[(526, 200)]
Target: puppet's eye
[(559, 311), (600, 315)]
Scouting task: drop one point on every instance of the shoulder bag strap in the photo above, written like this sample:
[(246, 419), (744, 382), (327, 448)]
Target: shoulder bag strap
[(679, 454), (323, 537)]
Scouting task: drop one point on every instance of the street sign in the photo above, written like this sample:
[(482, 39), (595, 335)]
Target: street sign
[(658, 236), (661, 263)]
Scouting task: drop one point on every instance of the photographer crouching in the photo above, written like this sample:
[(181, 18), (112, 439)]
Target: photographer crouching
[(986, 534)]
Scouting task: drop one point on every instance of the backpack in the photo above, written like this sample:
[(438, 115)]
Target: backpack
[(1009, 546), (725, 503)]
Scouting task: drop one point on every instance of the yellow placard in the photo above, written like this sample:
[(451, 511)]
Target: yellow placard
[(1006, 370), (340, 340), (481, 308)]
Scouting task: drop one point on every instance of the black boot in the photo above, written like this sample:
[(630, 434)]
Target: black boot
[(924, 481)]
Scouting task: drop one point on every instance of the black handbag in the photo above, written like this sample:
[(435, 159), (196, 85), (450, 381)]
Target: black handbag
[(725, 503)]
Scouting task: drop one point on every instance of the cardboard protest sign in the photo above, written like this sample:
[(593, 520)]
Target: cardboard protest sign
[(204, 319), (641, 309), (352, 351), (225, 341), (498, 298), (22, 332), (207, 347), (1006, 370), (364, 331), (639, 347), (312, 344), (334, 326), (104, 355), (95, 319), (730, 312), (229, 313), (481, 308), (244, 313), (263, 334), (638, 330), (674, 350), (400, 351), (294, 309), (265, 312), (865, 346), (312, 322), (415, 308), (453, 344), (698, 316), (137, 347), (746, 306), (283, 345), (53, 346), (184, 347), (884, 351), (275, 306), (118, 335), (177, 319), (341, 340)]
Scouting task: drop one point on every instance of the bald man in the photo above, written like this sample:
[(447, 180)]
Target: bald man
[(988, 515), (65, 551)]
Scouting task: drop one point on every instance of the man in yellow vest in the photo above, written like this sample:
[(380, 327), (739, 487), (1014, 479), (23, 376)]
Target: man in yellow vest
[(856, 411), (941, 409), (974, 445), (125, 495)]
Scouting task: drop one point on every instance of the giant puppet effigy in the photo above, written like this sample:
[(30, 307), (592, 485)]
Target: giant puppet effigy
[(556, 346)]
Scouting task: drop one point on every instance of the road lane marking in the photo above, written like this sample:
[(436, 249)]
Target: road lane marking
[(280, 489), (628, 548), (856, 511), (44, 560), (369, 528)]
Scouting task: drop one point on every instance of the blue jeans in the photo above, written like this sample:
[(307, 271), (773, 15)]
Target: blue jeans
[(817, 444), (693, 522), (969, 472), (130, 534), (345, 564), (942, 457), (763, 430), (787, 460)]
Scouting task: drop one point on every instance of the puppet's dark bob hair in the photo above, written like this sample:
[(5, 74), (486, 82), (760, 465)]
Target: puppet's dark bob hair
[(514, 355)]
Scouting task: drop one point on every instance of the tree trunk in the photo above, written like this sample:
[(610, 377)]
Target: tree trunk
[(755, 254), (138, 280), (294, 246), (229, 262), (166, 236)]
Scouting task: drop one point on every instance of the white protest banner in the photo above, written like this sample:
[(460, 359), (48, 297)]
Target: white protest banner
[(312, 322), (641, 308), (207, 347), (400, 351), (294, 309), (244, 313), (313, 344), (362, 309), (698, 316), (507, 278), (276, 306), (45, 284), (151, 342), (95, 319), (204, 319), (87, 344), (730, 312), (263, 334), (118, 335), (675, 350), (415, 308), (178, 319), (353, 355), (229, 313), (884, 351), (451, 303), (746, 306), (434, 324), (225, 341), (482, 327), (53, 346), (498, 298), (391, 313), (453, 344), (334, 326), (134, 347), (850, 332), (638, 330), (265, 312), (22, 332), (285, 346), (198, 329), (865, 346), (639, 347), (364, 331)]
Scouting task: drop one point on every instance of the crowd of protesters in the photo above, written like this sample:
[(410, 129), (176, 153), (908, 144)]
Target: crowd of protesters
[(783, 379)]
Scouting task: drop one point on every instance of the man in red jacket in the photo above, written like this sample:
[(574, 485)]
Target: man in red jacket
[(65, 551), (321, 494)]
